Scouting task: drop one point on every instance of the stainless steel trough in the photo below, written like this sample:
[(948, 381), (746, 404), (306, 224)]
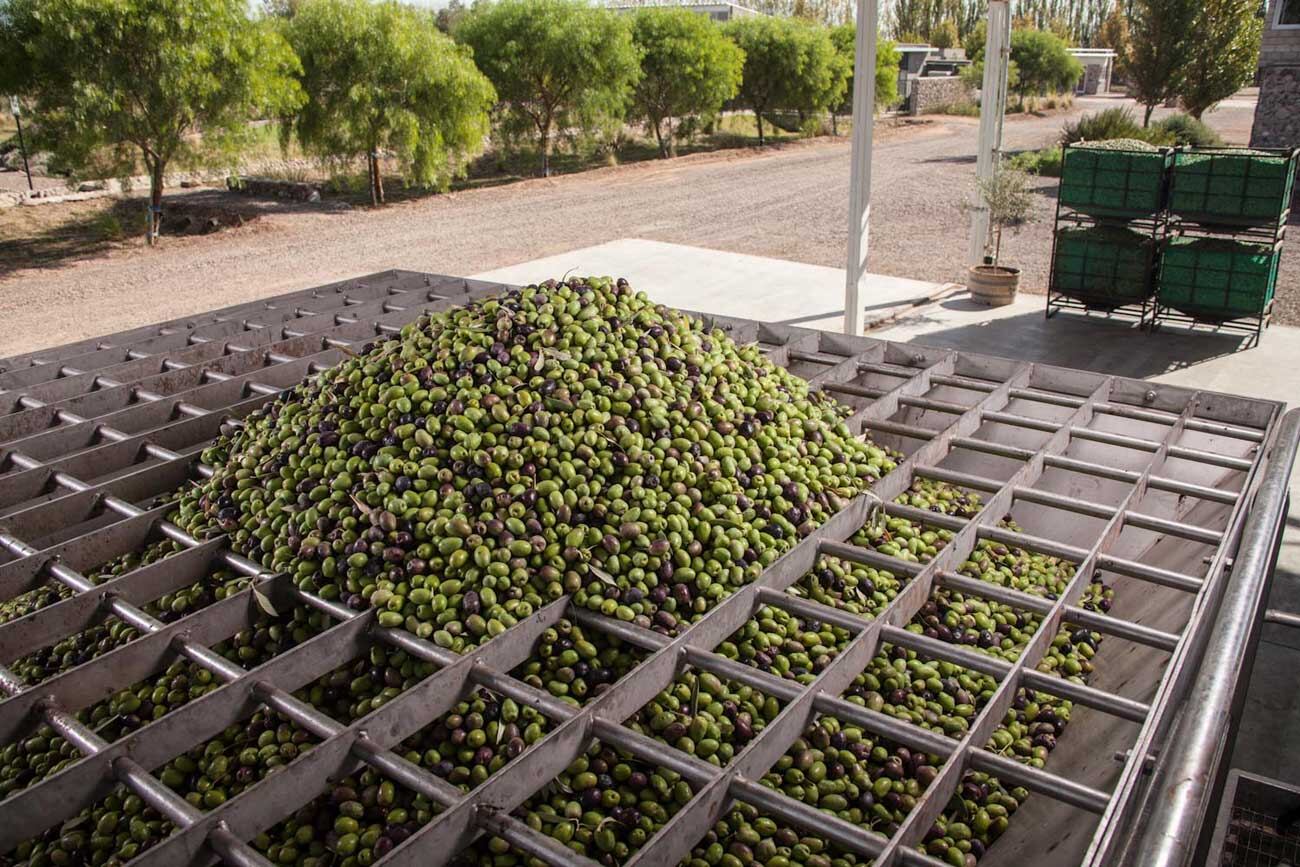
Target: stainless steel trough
[(1176, 496)]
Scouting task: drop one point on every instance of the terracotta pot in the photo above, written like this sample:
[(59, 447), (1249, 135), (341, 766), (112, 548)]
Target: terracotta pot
[(994, 285)]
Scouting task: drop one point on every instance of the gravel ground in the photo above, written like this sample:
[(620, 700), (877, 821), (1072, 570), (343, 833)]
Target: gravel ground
[(788, 202)]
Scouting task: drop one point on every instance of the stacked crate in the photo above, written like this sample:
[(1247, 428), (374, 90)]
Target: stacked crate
[(1228, 209), (1110, 220)]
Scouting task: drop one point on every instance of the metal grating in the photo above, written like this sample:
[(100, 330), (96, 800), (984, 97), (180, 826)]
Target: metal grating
[(93, 433)]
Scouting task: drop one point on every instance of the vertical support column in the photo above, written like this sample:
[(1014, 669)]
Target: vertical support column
[(864, 110), (993, 106)]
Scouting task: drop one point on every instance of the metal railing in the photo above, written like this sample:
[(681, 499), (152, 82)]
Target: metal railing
[(95, 432)]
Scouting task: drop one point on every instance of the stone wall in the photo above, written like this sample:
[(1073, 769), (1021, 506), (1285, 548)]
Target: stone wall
[(928, 93), (1277, 118)]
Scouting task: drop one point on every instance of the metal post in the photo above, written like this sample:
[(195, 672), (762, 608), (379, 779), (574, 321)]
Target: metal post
[(864, 109), (993, 104)]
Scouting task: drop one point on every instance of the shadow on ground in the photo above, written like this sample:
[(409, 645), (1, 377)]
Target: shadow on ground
[(54, 235), (1072, 340)]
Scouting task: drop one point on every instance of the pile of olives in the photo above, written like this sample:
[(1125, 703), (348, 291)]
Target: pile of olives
[(576, 665), (564, 438)]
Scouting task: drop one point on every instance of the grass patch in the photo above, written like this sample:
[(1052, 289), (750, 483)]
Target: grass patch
[(961, 108), (1044, 163)]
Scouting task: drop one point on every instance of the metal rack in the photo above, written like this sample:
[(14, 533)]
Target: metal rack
[(1266, 233), (94, 432), (1153, 224)]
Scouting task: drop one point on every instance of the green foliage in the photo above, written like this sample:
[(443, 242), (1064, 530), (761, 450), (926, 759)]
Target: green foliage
[(410, 90), (688, 67), (922, 18), (1223, 53), (974, 41), (1104, 125), (556, 64), (1044, 62), (973, 75), (127, 78), (788, 65), (888, 58), (1114, 34), (1009, 201), (1183, 129), (1159, 31), (945, 34), (1044, 163), (1074, 21)]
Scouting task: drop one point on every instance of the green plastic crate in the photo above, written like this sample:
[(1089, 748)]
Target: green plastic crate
[(1113, 181), (1103, 266), (1232, 185), (1216, 279)]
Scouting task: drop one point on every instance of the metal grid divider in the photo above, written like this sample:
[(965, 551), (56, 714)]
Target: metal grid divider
[(1158, 724), (483, 811), (920, 820)]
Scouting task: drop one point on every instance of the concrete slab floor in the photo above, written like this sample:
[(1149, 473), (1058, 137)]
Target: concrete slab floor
[(730, 284), (795, 293)]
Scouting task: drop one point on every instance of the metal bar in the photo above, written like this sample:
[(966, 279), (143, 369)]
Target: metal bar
[(1282, 618), (1188, 764)]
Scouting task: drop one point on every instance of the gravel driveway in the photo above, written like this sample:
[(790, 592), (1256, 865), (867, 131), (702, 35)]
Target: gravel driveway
[(789, 202)]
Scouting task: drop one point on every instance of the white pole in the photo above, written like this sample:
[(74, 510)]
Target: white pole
[(864, 110), (993, 105)]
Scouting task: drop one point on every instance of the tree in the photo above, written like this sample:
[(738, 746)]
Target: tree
[(381, 76), (945, 34), (450, 15), (1226, 35), (845, 39), (1114, 34), (113, 80), (974, 41), (688, 67), (788, 64), (554, 63), (1159, 31), (1044, 63)]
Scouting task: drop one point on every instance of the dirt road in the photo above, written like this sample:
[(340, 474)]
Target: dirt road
[(790, 202)]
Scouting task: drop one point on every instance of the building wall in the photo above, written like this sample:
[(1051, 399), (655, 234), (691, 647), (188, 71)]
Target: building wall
[(928, 93), (1277, 117), (1279, 46)]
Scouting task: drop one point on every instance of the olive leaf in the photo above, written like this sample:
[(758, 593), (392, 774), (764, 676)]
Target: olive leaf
[(695, 696), (264, 602), (601, 574), (362, 507)]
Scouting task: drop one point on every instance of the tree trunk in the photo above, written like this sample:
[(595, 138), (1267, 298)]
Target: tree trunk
[(659, 137), (672, 141), (372, 167), (758, 116), (153, 226), (379, 179), (835, 125), (1146, 117), (545, 129), (1196, 112)]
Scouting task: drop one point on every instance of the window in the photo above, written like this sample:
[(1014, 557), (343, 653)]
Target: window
[(1288, 13)]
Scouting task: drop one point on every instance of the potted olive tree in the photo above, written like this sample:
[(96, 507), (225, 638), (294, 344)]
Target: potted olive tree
[(1010, 203)]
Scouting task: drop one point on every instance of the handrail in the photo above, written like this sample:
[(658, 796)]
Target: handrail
[(1185, 774)]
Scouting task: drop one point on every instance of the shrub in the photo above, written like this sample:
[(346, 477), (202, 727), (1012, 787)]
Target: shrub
[(1045, 163), (1183, 129), (945, 35), (1044, 61), (1101, 126)]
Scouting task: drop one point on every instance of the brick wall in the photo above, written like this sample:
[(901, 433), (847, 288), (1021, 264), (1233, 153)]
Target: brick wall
[(930, 93), (1279, 47)]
